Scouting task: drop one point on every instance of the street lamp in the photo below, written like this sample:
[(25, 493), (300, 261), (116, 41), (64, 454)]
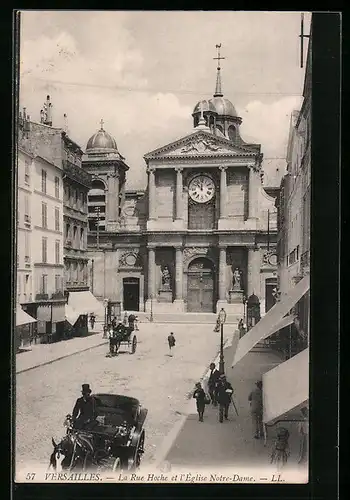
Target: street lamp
[(151, 316), (244, 300), (222, 319)]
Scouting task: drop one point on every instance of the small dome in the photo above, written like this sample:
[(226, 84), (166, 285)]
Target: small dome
[(205, 105), (223, 106), (102, 142)]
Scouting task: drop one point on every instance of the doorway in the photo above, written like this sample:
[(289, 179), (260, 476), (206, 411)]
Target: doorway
[(270, 285), (200, 286), (131, 294)]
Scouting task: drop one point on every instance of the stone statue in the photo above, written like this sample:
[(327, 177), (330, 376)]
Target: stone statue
[(237, 279), (166, 277)]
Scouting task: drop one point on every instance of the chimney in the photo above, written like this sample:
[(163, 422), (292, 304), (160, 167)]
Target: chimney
[(42, 116), (65, 123), (46, 112)]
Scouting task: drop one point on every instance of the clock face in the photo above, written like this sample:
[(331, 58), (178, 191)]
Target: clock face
[(201, 189)]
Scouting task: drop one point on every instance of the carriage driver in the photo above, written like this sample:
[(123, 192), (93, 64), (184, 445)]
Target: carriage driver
[(84, 409)]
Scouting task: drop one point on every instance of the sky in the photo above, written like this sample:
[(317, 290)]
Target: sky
[(143, 73)]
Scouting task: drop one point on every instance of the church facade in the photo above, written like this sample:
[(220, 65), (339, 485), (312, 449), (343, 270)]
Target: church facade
[(203, 233)]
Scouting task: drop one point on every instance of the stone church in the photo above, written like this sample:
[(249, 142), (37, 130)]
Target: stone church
[(203, 233)]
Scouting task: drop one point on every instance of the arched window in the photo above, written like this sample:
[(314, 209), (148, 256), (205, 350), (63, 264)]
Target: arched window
[(232, 133)]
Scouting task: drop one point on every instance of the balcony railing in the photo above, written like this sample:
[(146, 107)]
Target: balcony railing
[(68, 243), (41, 296), (305, 259), (57, 295)]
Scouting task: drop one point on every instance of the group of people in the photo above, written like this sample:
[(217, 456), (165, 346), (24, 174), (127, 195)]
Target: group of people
[(220, 394)]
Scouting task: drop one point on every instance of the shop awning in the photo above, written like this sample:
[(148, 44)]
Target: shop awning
[(269, 323), (22, 318), (71, 315), (85, 303), (286, 388)]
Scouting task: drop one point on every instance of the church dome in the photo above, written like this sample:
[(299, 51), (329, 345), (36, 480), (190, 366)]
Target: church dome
[(101, 142), (223, 106), (205, 105)]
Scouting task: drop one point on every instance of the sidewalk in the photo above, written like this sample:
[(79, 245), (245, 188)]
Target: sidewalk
[(43, 354), (231, 443)]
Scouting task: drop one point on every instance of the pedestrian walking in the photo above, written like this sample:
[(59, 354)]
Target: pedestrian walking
[(201, 398), (92, 320), (217, 326), (125, 320), (303, 429), (255, 399), (171, 342), (136, 324), (212, 383), (131, 320), (224, 391)]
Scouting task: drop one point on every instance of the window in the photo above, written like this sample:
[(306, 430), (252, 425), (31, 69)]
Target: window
[(57, 219), (82, 200), (57, 187), (44, 215), (43, 284), (43, 180), (67, 231), (57, 252), (26, 246), (57, 283), (81, 237), (27, 173), (44, 250), (26, 209), (75, 231)]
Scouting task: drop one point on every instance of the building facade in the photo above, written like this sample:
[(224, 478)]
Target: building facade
[(25, 174), (49, 167), (200, 237), (293, 203), (76, 184)]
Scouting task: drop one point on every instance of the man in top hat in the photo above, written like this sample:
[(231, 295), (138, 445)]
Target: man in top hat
[(84, 409), (224, 391), (212, 382)]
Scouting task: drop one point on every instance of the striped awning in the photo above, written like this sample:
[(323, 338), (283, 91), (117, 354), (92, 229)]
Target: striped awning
[(286, 388), (22, 318), (272, 320)]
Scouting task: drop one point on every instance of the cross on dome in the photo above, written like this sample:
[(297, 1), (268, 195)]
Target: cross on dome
[(102, 123)]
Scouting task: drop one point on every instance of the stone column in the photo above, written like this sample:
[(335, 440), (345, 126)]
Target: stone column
[(178, 273), (179, 193), (151, 193), (112, 198), (253, 278), (151, 273), (223, 192), (253, 193), (222, 274)]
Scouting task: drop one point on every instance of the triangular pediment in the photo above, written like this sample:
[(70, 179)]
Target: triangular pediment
[(200, 143)]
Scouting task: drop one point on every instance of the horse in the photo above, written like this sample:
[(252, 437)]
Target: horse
[(77, 450)]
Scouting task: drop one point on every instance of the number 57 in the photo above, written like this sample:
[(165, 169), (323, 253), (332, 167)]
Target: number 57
[(30, 476)]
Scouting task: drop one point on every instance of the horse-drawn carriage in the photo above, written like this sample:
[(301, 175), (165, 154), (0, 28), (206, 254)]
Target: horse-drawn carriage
[(113, 440), (122, 335)]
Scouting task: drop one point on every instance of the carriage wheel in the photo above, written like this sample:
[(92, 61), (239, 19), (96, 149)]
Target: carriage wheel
[(139, 451), (133, 345)]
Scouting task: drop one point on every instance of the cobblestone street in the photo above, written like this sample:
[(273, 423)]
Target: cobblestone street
[(44, 395)]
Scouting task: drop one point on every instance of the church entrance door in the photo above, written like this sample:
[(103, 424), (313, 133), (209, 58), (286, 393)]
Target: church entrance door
[(200, 286), (131, 294)]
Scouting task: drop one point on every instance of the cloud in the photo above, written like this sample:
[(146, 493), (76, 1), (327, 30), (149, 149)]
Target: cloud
[(268, 124), (138, 120), (87, 61)]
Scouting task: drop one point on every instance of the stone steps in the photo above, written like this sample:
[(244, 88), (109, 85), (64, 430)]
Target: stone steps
[(185, 318)]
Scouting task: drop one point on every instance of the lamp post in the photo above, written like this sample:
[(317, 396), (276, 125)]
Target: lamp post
[(244, 300), (151, 316), (222, 319)]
